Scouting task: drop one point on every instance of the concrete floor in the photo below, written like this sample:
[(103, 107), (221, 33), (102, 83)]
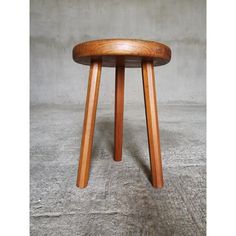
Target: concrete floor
[(119, 199)]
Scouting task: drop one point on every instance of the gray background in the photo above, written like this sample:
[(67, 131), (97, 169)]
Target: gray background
[(56, 26), (119, 199)]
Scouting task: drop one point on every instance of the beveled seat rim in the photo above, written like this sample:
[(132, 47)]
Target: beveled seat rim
[(136, 49)]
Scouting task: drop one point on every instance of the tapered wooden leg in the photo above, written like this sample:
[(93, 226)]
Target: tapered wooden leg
[(89, 123), (119, 108), (152, 123)]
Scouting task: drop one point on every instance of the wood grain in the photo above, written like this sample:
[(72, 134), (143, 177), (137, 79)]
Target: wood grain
[(152, 123), (124, 52), (89, 123), (119, 109)]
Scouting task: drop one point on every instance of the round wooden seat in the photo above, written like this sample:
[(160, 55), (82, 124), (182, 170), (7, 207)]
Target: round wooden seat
[(123, 52)]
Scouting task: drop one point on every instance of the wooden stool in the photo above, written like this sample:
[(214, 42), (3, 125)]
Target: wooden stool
[(121, 53)]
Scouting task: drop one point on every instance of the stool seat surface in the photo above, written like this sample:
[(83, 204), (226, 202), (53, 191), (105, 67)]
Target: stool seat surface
[(123, 52)]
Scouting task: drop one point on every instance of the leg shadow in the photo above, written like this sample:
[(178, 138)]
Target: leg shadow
[(135, 141), (104, 135)]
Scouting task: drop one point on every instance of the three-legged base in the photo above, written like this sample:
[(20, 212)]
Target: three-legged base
[(151, 120)]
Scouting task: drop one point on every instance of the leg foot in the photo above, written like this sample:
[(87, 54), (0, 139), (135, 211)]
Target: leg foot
[(152, 123), (89, 123)]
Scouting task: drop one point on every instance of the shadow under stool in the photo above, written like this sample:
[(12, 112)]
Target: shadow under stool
[(121, 53)]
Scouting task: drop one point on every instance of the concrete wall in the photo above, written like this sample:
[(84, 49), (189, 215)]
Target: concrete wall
[(57, 25)]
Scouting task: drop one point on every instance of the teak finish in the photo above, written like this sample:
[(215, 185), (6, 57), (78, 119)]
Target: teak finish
[(89, 122), (121, 53), (119, 109), (127, 52), (149, 90)]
